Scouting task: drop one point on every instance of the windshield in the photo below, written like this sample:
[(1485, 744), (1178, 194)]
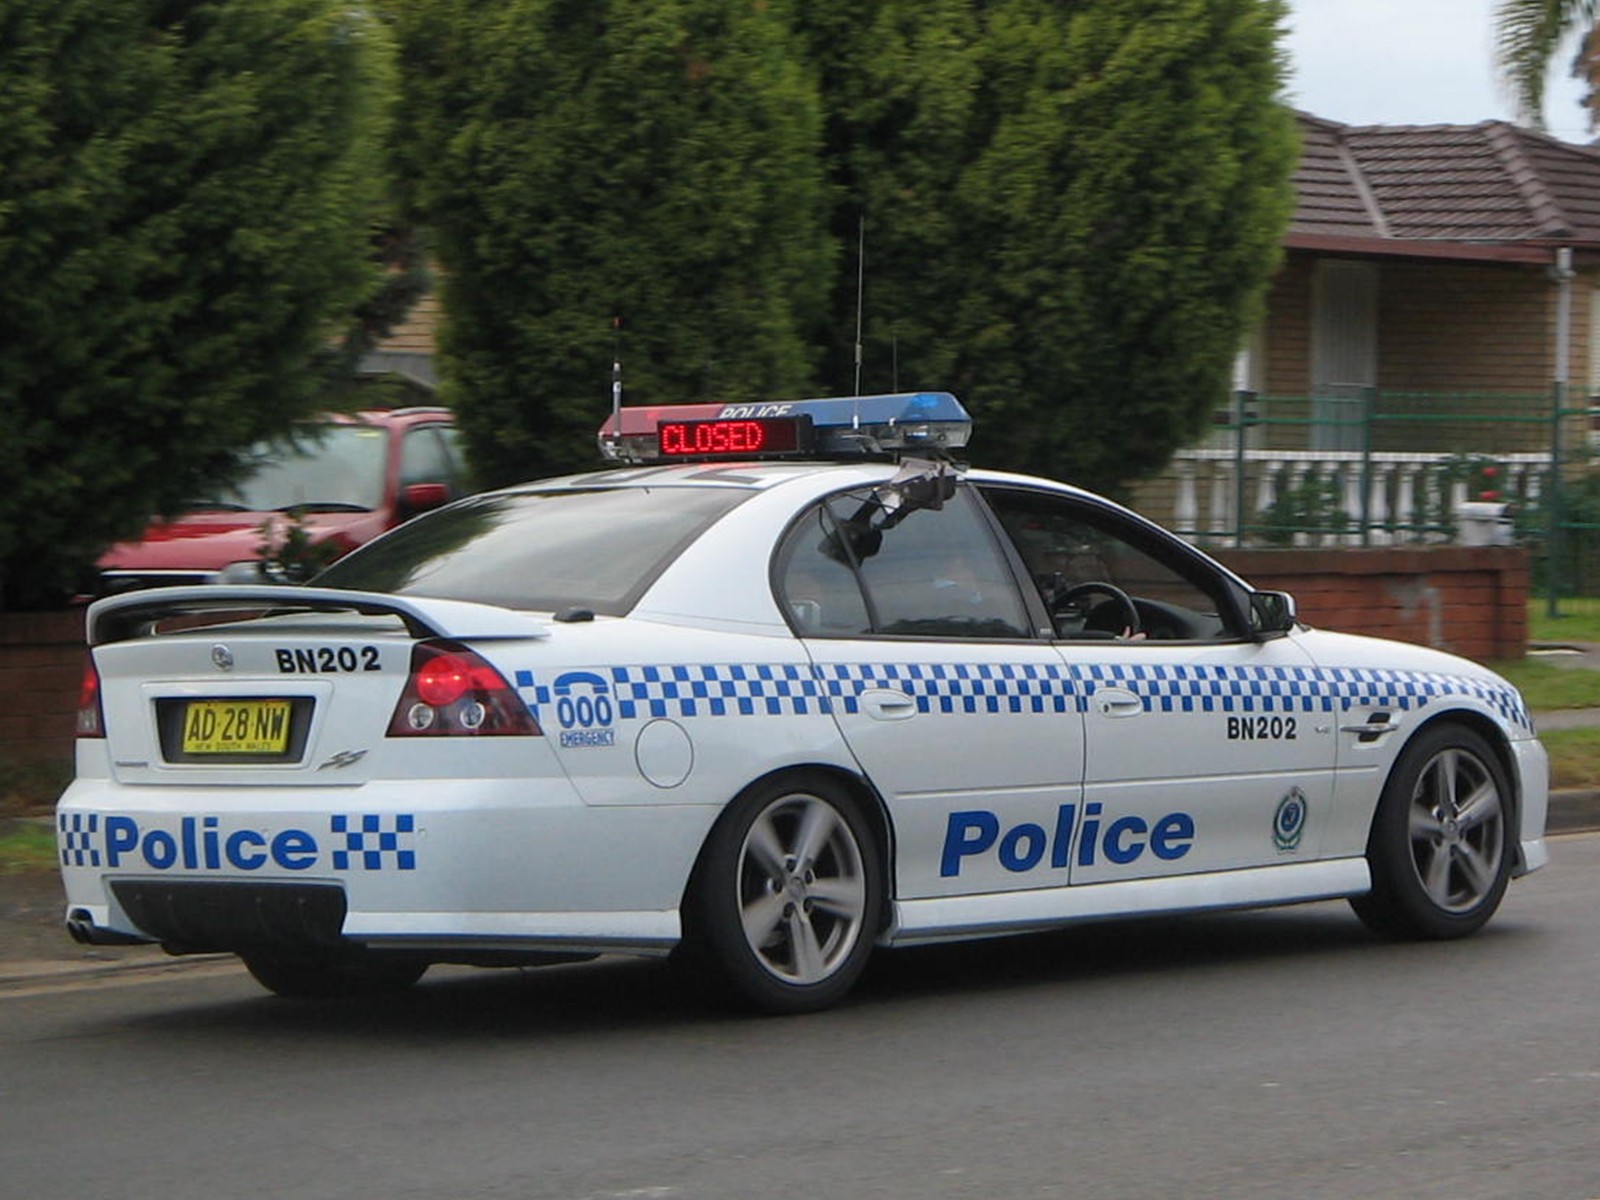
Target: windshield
[(327, 468), (596, 549)]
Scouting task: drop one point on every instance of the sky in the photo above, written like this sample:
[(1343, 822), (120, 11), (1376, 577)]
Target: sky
[(1410, 62)]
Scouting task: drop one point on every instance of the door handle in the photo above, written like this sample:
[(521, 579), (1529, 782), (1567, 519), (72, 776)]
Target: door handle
[(886, 705), (1117, 702)]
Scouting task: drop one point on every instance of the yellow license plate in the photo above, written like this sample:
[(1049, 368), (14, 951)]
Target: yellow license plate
[(236, 727)]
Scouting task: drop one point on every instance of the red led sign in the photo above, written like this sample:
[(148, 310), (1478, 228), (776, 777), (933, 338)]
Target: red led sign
[(737, 437)]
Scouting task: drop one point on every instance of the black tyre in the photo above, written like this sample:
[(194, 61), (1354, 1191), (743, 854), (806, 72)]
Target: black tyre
[(1440, 847), (323, 978), (788, 896)]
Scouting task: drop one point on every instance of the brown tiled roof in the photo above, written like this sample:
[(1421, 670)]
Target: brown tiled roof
[(1493, 182)]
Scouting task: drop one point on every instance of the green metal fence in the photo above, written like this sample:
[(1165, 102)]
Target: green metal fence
[(1364, 467)]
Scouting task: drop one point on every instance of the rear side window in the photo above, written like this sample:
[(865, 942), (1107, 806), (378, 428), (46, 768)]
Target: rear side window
[(592, 548), (863, 564)]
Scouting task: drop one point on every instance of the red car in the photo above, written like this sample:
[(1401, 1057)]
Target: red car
[(343, 480)]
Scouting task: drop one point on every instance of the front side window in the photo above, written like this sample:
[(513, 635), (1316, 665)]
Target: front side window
[(1098, 578), (880, 562), (425, 458)]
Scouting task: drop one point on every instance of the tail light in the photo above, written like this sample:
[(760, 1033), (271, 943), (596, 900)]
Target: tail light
[(91, 721), (453, 692)]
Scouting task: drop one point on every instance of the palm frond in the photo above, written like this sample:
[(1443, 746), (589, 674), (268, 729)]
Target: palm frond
[(1527, 34)]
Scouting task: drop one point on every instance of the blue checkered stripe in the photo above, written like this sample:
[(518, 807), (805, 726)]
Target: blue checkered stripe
[(79, 835), (533, 694), (373, 841), (1202, 688), (959, 687), (1377, 688), (796, 689), (1189, 687), (719, 690)]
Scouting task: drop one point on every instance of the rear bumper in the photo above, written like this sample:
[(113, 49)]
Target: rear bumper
[(425, 866)]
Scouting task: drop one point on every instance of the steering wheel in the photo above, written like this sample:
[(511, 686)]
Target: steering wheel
[(1073, 599)]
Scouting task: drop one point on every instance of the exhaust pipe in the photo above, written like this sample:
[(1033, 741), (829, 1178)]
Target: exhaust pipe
[(83, 930)]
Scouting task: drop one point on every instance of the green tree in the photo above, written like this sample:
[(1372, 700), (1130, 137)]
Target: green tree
[(1527, 35), (1071, 211), (184, 206), (585, 160), (904, 94)]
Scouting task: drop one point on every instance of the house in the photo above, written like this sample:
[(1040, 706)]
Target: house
[(407, 353), (1438, 284)]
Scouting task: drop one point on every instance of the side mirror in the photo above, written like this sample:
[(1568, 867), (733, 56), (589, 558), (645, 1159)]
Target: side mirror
[(1271, 613), (420, 497)]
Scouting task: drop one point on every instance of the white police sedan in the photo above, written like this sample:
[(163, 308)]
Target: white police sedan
[(786, 697)]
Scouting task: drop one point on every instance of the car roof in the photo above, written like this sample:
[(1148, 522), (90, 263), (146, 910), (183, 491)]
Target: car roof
[(761, 476), (412, 415)]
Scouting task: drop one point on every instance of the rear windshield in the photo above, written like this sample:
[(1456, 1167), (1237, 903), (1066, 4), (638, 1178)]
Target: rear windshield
[(592, 548)]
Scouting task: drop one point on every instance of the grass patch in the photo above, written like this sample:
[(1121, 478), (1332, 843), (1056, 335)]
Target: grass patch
[(1545, 686), (1579, 621), (26, 846), (31, 787), (1574, 757)]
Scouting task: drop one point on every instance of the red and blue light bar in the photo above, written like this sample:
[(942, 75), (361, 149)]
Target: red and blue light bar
[(835, 427)]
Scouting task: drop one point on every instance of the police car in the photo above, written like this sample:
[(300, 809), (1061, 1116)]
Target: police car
[(784, 685)]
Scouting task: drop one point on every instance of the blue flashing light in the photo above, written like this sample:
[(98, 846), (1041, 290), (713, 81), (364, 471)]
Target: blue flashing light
[(831, 427)]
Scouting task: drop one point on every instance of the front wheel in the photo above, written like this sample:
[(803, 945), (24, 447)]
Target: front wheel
[(788, 897), (1440, 849)]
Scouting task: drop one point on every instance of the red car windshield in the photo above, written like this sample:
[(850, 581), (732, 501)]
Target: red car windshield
[(325, 469)]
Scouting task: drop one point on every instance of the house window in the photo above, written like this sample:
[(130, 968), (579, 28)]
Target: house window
[(1594, 345), (1344, 350)]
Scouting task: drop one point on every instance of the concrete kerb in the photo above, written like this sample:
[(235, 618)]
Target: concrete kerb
[(26, 974), (1574, 811)]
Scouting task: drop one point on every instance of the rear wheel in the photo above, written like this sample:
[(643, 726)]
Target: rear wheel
[(788, 897), (1439, 849), (321, 978)]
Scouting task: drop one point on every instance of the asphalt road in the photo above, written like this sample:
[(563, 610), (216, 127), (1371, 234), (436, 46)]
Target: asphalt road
[(1268, 1054)]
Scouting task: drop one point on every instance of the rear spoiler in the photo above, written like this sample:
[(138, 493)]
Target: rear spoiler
[(139, 614)]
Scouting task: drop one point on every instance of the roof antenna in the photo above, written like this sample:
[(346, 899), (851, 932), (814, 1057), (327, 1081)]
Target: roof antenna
[(616, 375), (861, 265)]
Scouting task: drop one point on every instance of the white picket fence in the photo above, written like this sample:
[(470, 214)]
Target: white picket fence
[(1404, 493)]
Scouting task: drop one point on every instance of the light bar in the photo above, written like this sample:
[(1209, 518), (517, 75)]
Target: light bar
[(837, 427)]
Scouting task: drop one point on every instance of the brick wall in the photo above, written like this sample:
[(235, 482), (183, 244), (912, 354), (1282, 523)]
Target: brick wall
[(1471, 602), (1442, 327), (1288, 329), (1454, 327), (41, 671)]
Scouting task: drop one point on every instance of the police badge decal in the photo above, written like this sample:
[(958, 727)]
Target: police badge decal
[(1289, 822)]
